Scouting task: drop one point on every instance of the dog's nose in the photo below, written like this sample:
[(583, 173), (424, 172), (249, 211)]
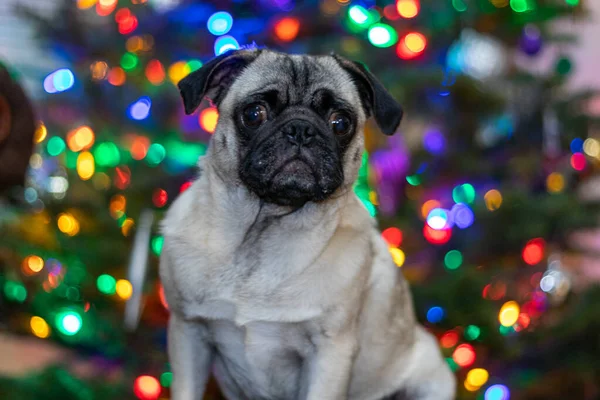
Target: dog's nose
[(299, 132)]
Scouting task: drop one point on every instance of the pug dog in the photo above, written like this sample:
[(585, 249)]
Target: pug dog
[(277, 278)]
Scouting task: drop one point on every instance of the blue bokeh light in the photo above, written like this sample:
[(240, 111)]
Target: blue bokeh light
[(225, 43), (59, 81), (435, 314), (140, 109), (434, 141), (462, 215), (497, 392), (220, 23), (577, 145)]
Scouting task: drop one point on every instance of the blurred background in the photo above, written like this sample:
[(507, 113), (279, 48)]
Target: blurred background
[(488, 195)]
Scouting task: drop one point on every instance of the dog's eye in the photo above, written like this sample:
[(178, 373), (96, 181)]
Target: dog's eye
[(340, 123), (254, 115)]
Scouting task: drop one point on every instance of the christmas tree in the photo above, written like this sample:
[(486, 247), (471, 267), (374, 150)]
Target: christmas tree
[(478, 194)]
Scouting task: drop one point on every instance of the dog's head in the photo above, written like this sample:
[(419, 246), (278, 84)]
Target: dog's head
[(290, 126)]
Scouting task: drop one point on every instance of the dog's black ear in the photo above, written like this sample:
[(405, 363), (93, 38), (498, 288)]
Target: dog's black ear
[(214, 78), (377, 101)]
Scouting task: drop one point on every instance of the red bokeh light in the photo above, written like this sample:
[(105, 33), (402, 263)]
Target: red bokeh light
[(464, 355), (393, 236), (160, 197), (578, 161), (435, 236), (155, 72), (185, 187), (146, 387), (161, 296), (391, 12), (533, 252), (449, 339), (286, 29), (411, 45), (128, 25)]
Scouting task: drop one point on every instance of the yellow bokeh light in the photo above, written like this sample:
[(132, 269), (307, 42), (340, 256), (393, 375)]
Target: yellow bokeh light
[(493, 199), (509, 313), (178, 71), (373, 198), (591, 147), (99, 70), (470, 387), (84, 4), (415, 42), (40, 133), (68, 224), (124, 289), (39, 327), (208, 119), (555, 182), (134, 44), (85, 165), (81, 138), (407, 8), (477, 377), (33, 264), (398, 256), (126, 227), (500, 3)]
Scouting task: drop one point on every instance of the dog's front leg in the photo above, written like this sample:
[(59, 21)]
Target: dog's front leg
[(331, 368), (190, 357)]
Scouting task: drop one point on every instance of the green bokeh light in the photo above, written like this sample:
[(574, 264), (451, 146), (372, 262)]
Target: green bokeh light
[(156, 153), (166, 378), (106, 284), (71, 159), (472, 332), (452, 364), (194, 65), (464, 193), (382, 35), (572, 3), (359, 15), (453, 259), (157, 244), (519, 5), (68, 322), (459, 5), (413, 180), (107, 155), (15, 291), (55, 146), (564, 66), (129, 61)]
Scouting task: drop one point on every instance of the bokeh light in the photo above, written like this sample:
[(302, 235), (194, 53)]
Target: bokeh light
[(591, 147), (224, 44), (68, 323), (156, 154), (85, 4), (408, 8), (106, 284), (398, 256), (160, 197), (85, 165), (533, 252), (81, 138), (493, 199), (497, 392), (219, 23), (124, 289), (39, 327), (157, 244), (127, 226), (509, 313), (107, 155), (32, 264), (438, 219), (428, 206), (146, 387), (435, 236), (464, 193), (449, 339), (177, 71), (40, 133), (411, 45), (393, 236), (555, 182), (55, 146), (464, 355), (155, 72), (208, 119), (359, 15), (117, 76), (578, 161), (287, 28), (68, 224), (462, 215), (435, 314), (472, 332), (59, 81), (382, 35), (453, 259), (477, 377), (166, 378), (140, 109)]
